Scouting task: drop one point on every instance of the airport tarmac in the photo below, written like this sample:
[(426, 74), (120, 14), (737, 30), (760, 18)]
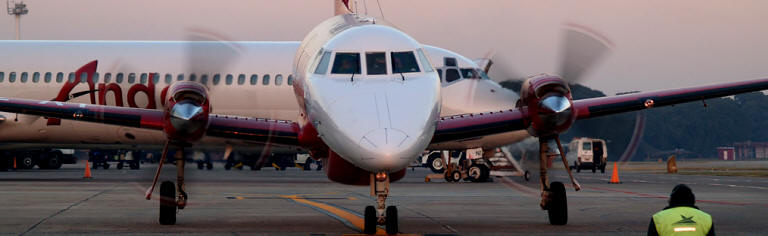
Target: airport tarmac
[(294, 202)]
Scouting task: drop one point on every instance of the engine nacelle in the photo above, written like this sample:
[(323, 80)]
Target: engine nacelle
[(548, 103), (341, 171), (186, 112)]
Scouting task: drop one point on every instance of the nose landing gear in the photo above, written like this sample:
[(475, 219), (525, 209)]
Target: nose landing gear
[(381, 214), (170, 202)]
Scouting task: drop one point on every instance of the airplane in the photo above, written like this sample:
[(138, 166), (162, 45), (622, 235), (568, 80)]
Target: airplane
[(365, 117)]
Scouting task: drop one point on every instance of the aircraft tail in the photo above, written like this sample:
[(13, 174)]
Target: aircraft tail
[(343, 7)]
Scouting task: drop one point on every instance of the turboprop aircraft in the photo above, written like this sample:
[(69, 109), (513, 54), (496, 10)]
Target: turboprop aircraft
[(369, 102)]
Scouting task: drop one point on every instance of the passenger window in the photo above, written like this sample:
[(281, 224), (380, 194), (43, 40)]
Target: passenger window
[(59, 77), (2, 76), (12, 77), (24, 77), (229, 79), (96, 77), (376, 63), (36, 77), (71, 77), (143, 78), (452, 75), (107, 77), (241, 79), (404, 62), (216, 79), (192, 77), (290, 80), (346, 63), (156, 78), (254, 79), (180, 77), (278, 79), (424, 61), (265, 80), (168, 78), (440, 73), (132, 78), (119, 78), (203, 78), (322, 67), (47, 77), (83, 77)]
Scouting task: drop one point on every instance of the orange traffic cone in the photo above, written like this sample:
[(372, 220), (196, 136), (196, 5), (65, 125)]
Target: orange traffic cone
[(615, 175), (14, 163), (87, 171)]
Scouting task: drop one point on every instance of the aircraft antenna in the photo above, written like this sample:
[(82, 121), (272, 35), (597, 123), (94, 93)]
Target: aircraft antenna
[(18, 9), (380, 10)]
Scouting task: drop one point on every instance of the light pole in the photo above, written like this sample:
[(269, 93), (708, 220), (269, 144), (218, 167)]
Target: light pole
[(18, 9)]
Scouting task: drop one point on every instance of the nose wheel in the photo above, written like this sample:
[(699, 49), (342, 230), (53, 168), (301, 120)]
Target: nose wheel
[(170, 202), (380, 214)]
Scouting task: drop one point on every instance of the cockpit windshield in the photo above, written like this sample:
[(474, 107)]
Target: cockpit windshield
[(404, 62), (376, 63), (346, 63)]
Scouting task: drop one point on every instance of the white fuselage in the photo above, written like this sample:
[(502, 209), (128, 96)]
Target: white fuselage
[(253, 79)]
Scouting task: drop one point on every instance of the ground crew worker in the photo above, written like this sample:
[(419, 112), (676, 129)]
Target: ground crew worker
[(681, 217)]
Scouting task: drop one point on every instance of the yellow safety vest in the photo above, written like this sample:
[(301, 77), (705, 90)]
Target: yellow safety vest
[(682, 221)]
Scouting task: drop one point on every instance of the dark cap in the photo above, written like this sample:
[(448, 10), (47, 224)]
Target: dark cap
[(682, 196)]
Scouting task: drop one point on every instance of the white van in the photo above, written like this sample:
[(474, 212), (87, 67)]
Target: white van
[(587, 153)]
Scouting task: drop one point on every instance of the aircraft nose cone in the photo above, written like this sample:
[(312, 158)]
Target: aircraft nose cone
[(391, 145), (385, 139)]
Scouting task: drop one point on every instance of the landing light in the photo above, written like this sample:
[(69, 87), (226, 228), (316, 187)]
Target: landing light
[(381, 176)]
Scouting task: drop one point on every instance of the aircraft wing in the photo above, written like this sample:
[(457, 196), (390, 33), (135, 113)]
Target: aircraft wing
[(252, 129), (469, 126)]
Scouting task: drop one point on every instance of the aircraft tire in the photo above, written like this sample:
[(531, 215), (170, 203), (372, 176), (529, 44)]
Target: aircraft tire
[(527, 175), (369, 224), (134, 165), (27, 161), (391, 221), (200, 165), (167, 203), (455, 176), (120, 165), (558, 205), (435, 163), (209, 166)]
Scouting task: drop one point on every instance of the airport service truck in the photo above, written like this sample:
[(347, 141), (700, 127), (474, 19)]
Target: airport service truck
[(28, 158), (587, 153)]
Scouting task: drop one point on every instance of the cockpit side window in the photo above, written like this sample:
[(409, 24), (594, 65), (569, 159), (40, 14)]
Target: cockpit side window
[(424, 61), (322, 67), (404, 62), (483, 74), (451, 75), (376, 63), (346, 63), (468, 73)]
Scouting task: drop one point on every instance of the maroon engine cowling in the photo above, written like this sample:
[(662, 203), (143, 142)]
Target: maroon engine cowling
[(548, 104), (186, 112), (341, 171)]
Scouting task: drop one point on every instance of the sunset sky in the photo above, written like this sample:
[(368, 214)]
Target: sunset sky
[(658, 43)]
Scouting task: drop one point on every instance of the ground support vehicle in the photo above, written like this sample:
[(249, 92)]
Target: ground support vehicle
[(587, 153), (478, 166), (45, 158)]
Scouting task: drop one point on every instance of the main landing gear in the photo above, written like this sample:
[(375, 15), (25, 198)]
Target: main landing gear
[(553, 198), (381, 214), (170, 202)]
